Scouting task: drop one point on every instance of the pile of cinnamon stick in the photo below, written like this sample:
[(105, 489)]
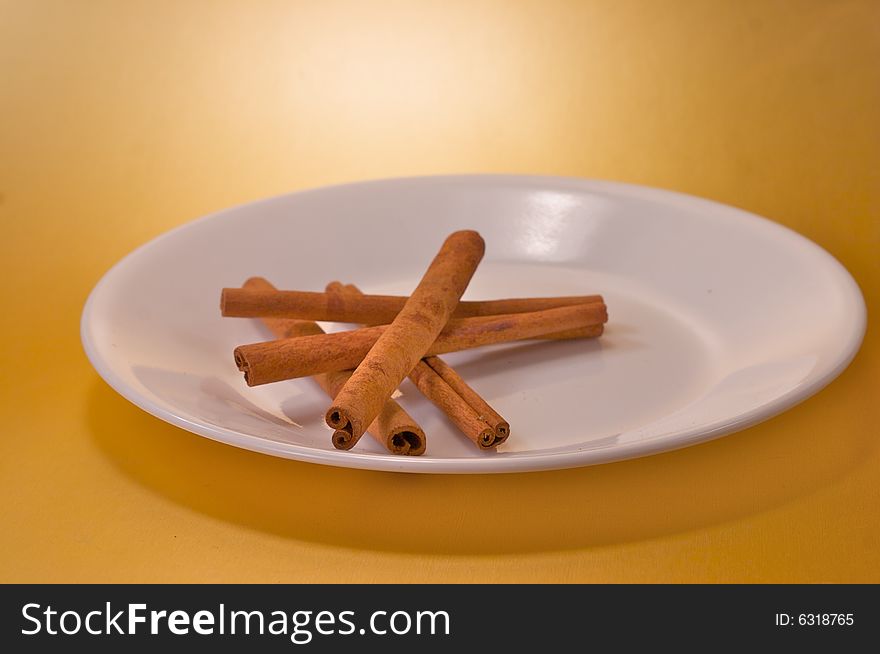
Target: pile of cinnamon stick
[(360, 369)]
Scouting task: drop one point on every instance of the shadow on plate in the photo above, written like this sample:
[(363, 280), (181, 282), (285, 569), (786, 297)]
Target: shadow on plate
[(764, 467)]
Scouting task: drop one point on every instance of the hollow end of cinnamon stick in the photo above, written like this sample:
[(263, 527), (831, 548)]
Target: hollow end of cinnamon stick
[(502, 432), (486, 439), (410, 442), (344, 430), (342, 440), (242, 364)]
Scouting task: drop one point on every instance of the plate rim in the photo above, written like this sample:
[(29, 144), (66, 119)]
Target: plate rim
[(483, 465)]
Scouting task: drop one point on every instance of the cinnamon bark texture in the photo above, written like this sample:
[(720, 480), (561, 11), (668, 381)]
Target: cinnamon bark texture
[(304, 356), (453, 405), (445, 388), (500, 427), (380, 309), (367, 309), (486, 308), (393, 428), (407, 339)]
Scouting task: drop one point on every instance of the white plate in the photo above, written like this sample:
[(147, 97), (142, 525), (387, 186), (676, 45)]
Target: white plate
[(718, 318)]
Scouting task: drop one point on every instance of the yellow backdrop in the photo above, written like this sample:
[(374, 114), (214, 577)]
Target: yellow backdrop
[(120, 120)]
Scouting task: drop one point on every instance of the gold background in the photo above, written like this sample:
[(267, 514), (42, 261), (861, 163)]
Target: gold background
[(120, 120)]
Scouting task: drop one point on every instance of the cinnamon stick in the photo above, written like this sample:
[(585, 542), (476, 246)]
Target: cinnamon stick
[(453, 405), (445, 388), (484, 411), (381, 309), (304, 356), (406, 340), (515, 305), (367, 309), (393, 428)]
